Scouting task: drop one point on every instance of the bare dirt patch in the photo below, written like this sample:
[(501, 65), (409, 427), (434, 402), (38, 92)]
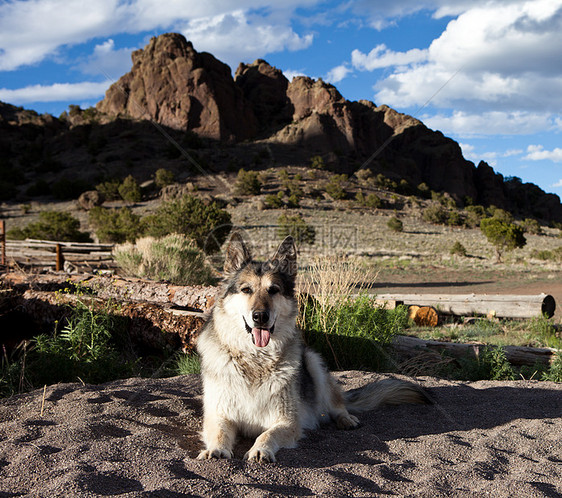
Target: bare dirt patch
[(139, 437)]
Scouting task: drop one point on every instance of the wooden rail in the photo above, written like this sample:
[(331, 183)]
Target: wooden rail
[(32, 252)]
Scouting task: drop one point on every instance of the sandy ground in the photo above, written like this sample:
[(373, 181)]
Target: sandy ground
[(138, 437)]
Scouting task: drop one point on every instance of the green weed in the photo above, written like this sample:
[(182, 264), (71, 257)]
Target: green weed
[(186, 364), (554, 374)]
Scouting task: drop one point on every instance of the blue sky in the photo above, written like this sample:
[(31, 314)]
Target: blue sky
[(487, 73)]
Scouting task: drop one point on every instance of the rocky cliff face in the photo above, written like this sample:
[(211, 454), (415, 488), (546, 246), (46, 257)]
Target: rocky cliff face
[(180, 88), (183, 89)]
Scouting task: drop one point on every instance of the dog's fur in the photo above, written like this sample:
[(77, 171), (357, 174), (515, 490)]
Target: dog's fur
[(259, 379)]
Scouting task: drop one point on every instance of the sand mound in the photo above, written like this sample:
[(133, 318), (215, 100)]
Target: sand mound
[(139, 437)]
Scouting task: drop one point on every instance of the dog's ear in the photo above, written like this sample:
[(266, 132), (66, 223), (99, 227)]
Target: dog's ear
[(237, 253), (286, 257)]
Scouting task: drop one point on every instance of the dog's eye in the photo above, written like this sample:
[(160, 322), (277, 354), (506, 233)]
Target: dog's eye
[(273, 290), (246, 290)]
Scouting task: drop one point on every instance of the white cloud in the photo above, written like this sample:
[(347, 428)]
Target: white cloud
[(58, 92), (494, 58), (33, 30), (500, 123), (513, 152), (236, 37), (558, 184), (538, 153), (107, 61), (338, 73), (381, 57)]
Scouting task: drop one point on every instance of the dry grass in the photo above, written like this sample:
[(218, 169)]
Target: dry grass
[(333, 280)]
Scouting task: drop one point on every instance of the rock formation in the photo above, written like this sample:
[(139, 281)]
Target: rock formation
[(180, 88)]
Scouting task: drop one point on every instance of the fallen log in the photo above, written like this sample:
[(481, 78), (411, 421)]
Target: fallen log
[(150, 325), (409, 347), (195, 297), (496, 305)]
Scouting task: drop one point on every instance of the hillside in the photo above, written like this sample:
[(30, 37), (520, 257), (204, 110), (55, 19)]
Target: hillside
[(223, 123)]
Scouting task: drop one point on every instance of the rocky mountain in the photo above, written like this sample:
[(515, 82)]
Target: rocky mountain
[(180, 88), (190, 93)]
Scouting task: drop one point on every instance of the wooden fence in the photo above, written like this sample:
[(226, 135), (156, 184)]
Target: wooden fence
[(32, 252)]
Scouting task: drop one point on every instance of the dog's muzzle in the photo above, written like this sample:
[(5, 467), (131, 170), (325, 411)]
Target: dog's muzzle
[(260, 333)]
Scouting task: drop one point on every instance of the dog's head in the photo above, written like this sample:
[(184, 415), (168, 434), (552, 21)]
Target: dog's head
[(260, 295)]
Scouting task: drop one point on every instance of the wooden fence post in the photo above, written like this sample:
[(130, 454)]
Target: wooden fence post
[(60, 258), (3, 241)]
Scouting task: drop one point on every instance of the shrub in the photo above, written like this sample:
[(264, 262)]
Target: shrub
[(297, 227), (458, 249), (293, 188), (129, 190), (385, 183), (208, 225), (532, 226), (273, 201), (554, 374), (283, 175), (364, 176), (350, 332), (85, 348), (115, 225), (317, 162), (455, 218), (548, 255), (174, 258), (163, 177), (373, 201), (335, 188), (405, 188), (358, 333), (109, 189), (52, 225), (395, 224), (501, 215), (475, 215), (545, 331), (247, 183), (370, 200), (435, 213), (503, 236), (424, 190), (293, 201)]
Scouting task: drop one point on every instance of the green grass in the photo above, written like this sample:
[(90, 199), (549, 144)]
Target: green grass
[(187, 364), (352, 334), (536, 332)]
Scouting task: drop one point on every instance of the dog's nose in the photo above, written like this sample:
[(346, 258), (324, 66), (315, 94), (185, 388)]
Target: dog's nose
[(260, 317)]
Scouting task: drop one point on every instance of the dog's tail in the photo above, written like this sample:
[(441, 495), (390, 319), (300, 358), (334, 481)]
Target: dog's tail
[(384, 392)]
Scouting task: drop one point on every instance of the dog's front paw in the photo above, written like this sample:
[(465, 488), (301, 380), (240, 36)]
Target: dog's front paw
[(261, 455), (218, 453), (347, 422)]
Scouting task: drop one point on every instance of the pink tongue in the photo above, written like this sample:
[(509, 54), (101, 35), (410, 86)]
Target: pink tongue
[(261, 337)]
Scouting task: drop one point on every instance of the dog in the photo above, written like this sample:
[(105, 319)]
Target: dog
[(259, 379)]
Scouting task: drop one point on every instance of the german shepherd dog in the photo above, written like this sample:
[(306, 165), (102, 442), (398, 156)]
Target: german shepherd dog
[(259, 379)]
